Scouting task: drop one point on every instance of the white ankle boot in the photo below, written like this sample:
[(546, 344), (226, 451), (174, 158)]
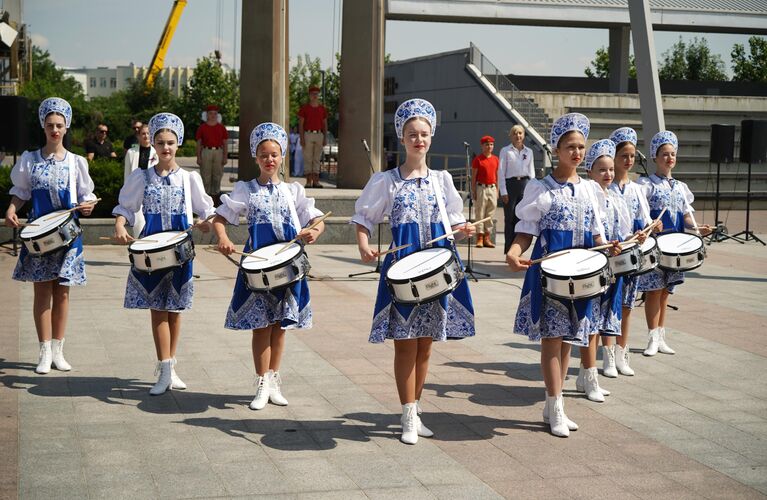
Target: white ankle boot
[(175, 381), (262, 392), (662, 345), (622, 361), (591, 385), (653, 341), (57, 351), (164, 382), (409, 422), (580, 382), (557, 417), (45, 358), (423, 431), (608, 361), (570, 424), (275, 389)]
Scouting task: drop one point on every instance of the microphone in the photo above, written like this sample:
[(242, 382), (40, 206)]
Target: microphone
[(365, 145), (642, 157), (466, 144)]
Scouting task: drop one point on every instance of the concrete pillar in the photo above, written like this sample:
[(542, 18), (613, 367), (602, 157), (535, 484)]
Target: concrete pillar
[(619, 59), (263, 74), (361, 99), (650, 100)]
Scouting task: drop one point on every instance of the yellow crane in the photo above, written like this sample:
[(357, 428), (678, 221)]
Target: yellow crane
[(158, 60)]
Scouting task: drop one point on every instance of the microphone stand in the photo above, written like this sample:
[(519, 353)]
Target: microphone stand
[(377, 269), (468, 269)]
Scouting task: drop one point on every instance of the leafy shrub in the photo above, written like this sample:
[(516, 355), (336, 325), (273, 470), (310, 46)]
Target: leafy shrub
[(107, 175), (189, 148)]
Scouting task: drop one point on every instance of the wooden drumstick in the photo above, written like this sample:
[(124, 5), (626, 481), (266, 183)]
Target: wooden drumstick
[(647, 230), (27, 224), (237, 252), (82, 205), (129, 237), (550, 256), (391, 250), (315, 224), (451, 233)]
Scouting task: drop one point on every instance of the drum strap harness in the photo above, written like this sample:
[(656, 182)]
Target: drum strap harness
[(442, 209), (282, 186)]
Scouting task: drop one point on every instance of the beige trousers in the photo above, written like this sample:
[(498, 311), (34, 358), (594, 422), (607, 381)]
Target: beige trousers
[(487, 200), (212, 169), (312, 152)]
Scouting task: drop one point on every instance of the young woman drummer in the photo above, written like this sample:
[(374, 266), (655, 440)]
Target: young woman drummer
[(665, 192), (560, 211), (166, 195), (276, 212), (52, 178), (421, 204), (625, 139)]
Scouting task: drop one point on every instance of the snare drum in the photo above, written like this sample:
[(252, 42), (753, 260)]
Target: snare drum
[(681, 251), (628, 261), (576, 274), (266, 270), (51, 232), (651, 255), (424, 276), (160, 251)]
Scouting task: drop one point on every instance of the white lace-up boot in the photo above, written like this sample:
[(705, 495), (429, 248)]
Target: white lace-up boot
[(580, 382), (262, 392), (570, 424), (45, 358), (591, 386), (423, 431), (608, 361), (653, 341), (175, 381), (275, 389), (622, 361), (164, 382), (409, 422), (557, 418), (57, 351), (662, 345)]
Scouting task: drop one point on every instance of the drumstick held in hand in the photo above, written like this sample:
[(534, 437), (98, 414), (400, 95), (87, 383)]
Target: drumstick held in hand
[(237, 252), (315, 224), (550, 256), (451, 233), (82, 205), (391, 250)]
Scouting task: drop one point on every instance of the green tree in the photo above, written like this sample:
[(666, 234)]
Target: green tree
[(210, 84), (600, 66), (751, 67), (693, 61)]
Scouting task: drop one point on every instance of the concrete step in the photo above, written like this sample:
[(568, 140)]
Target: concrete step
[(673, 117)]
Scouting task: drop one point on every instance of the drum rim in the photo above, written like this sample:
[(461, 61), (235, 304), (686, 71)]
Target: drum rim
[(700, 249), (159, 249), (52, 230), (579, 276), (300, 253), (434, 272)]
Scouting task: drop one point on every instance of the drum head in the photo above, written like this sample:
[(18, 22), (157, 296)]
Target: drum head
[(648, 244), (419, 263), (45, 224), (158, 240), (681, 243), (267, 257), (576, 262), (626, 247)]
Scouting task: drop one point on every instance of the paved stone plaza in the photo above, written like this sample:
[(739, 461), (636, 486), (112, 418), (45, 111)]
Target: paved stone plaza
[(693, 425)]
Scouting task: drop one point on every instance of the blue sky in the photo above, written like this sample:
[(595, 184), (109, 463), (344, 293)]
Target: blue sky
[(116, 32)]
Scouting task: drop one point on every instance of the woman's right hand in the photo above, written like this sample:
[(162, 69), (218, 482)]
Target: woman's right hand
[(121, 235), (516, 263), (11, 219), (225, 246), (366, 254)]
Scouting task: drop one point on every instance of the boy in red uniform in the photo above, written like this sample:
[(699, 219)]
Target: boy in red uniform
[(211, 139), (313, 127), (484, 189)]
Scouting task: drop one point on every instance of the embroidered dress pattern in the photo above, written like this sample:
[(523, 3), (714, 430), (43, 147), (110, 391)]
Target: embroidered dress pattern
[(630, 194)]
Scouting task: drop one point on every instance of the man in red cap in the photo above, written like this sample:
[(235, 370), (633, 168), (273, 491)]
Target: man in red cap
[(484, 190), (211, 150), (313, 129)]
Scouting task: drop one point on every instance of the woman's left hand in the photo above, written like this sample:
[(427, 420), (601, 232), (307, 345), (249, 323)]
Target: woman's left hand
[(615, 249), (309, 236), (705, 230), (467, 231), (641, 236), (86, 210)]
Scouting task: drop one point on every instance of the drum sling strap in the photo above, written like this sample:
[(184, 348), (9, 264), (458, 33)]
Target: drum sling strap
[(72, 166), (441, 205), (282, 186)]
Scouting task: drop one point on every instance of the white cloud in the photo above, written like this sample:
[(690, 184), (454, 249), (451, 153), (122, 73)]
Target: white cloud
[(39, 40)]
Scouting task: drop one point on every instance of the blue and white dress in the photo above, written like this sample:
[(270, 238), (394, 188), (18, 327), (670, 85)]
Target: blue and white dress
[(562, 216), (167, 203), (636, 202), (415, 217), (52, 185), (675, 196), (617, 226), (275, 213)]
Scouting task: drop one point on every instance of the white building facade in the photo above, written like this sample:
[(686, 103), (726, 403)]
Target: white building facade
[(103, 82)]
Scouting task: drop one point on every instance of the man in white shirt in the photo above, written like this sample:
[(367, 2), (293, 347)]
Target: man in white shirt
[(514, 170)]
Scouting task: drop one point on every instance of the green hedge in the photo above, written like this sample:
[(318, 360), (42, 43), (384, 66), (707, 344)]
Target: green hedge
[(107, 175)]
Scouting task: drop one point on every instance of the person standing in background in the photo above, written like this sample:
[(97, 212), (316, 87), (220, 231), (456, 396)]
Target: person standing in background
[(100, 146), (142, 157), (134, 138), (484, 190), (514, 170), (211, 139), (313, 129)]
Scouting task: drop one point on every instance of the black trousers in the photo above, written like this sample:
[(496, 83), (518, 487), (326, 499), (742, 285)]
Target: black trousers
[(515, 189)]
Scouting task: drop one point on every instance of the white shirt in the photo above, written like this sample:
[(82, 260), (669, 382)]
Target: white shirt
[(514, 163), (235, 204)]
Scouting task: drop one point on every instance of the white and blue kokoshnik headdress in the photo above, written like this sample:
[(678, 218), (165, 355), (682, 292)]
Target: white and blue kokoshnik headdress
[(661, 138), (411, 109), (268, 131), (568, 123), (169, 121), (55, 105), (603, 147), (624, 134)]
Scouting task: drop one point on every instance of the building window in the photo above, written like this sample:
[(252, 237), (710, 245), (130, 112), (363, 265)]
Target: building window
[(103, 82), (173, 83), (93, 82), (113, 83)]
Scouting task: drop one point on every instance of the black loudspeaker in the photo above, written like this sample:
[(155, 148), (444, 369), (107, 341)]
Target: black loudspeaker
[(753, 141), (14, 113), (722, 143)]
